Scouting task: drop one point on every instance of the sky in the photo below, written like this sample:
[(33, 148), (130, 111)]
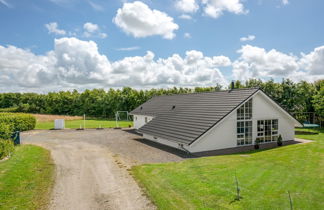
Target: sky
[(53, 45)]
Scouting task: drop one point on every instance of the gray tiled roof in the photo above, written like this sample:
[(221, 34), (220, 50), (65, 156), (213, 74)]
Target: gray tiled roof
[(184, 118)]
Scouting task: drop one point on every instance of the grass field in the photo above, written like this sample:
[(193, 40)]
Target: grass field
[(264, 178), (88, 124), (26, 179), (44, 121)]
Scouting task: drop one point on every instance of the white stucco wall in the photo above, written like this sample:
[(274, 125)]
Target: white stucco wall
[(139, 120), (265, 109), (223, 135)]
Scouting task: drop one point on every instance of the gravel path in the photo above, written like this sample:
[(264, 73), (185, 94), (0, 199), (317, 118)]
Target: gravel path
[(92, 167)]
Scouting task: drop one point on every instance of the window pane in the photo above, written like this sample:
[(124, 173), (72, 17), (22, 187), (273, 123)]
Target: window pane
[(260, 139), (275, 125), (240, 113)]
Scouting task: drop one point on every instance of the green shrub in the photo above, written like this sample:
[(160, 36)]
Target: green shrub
[(6, 148), (279, 140), (10, 109), (6, 130), (20, 122)]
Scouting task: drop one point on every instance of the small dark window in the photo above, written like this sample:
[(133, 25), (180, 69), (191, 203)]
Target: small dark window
[(173, 107), (141, 107)]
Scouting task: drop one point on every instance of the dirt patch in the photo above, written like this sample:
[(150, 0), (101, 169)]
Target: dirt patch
[(46, 118), (92, 167)]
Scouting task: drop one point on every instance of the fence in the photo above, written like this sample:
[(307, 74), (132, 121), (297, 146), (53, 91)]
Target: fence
[(309, 118)]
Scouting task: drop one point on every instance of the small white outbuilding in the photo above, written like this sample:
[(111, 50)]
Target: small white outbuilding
[(214, 121), (59, 124)]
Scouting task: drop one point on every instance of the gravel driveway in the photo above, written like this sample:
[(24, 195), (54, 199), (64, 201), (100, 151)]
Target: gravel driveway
[(92, 167)]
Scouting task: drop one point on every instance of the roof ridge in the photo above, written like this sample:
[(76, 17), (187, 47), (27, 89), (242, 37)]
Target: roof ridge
[(229, 90)]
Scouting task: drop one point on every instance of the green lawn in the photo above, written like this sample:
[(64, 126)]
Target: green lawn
[(264, 179), (26, 179), (88, 124)]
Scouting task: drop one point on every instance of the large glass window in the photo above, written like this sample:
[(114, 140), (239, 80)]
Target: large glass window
[(244, 124), (267, 130), (245, 111)]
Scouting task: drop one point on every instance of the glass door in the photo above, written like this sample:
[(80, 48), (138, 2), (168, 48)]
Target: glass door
[(267, 130)]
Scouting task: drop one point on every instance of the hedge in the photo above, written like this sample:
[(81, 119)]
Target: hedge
[(10, 109), (18, 121), (6, 130), (6, 148), (10, 122)]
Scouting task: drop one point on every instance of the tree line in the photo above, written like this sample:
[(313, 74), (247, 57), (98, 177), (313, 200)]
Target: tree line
[(295, 97)]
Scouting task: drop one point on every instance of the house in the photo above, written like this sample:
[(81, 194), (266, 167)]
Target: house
[(214, 121)]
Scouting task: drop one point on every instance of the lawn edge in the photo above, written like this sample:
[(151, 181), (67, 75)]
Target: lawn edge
[(144, 190)]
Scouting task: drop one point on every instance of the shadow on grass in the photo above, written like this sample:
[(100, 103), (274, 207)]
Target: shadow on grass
[(235, 200), (306, 133)]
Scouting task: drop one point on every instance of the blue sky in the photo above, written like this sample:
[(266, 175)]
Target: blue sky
[(282, 39)]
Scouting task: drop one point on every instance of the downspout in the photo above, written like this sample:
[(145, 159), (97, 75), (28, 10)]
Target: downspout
[(185, 150)]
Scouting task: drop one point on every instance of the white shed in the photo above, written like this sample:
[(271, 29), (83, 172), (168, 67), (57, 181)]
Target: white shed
[(230, 120)]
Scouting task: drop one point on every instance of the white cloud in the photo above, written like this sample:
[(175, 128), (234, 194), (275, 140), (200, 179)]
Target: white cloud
[(90, 27), (128, 48), (216, 8), (314, 61), (102, 35), (187, 35), (285, 2), (78, 64), (92, 30), (255, 62), (4, 2), (96, 6), (185, 17), (139, 20), (188, 6), (89, 30), (53, 29), (247, 38), (22, 68), (192, 70)]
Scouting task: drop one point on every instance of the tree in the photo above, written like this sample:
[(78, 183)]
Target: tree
[(318, 100)]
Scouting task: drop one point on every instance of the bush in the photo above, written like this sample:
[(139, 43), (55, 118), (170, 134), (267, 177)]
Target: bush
[(279, 141), (6, 148), (10, 109), (256, 144), (19, 121), (6, 130)]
